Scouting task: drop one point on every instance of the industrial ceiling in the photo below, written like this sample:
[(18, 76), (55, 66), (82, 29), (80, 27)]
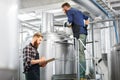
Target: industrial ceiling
[(31, 10)]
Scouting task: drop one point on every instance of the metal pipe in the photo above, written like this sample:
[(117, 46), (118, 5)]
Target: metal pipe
[(29, 24), (102, 9), (92, 9), (104, 20), (78, 59), (93, 50), (24, 31), (116, 33), (47, 23), (118, 29), (30, 28), (109, 15)]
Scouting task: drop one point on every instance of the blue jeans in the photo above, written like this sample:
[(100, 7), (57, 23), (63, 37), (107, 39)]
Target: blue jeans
[(82, 37)]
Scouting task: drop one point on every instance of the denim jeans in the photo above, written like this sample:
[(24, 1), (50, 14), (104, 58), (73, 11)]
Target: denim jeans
[(82, 64)]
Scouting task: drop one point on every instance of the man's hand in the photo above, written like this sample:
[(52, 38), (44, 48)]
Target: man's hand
[(42, 62), (87, 22), (67, 24)]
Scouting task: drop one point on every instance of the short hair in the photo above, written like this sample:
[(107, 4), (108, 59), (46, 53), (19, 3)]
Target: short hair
[(38, 34), (66, 4)]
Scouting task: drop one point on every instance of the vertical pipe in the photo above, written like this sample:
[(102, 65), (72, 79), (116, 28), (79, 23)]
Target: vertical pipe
[(78, 60), (47, 23), (116, 33), (119, 29), (20, 50), (54, 51), (93, 56), (109, 55)]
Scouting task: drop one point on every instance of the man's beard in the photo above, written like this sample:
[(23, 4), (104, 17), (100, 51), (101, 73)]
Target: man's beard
[(36, 44), (65, 11)]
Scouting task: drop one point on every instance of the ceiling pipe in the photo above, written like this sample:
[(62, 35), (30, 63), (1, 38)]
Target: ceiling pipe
[(102, 9), (91, 8), (109, 16)]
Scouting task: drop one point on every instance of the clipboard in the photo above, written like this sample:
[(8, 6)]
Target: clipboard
[(50, 60)]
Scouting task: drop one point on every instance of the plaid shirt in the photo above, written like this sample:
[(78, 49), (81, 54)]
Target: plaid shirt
[(29, 53)]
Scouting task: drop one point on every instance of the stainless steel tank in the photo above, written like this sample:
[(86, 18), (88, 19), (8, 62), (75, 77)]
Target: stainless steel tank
[(9, 39), (54, 46), (115, 63)]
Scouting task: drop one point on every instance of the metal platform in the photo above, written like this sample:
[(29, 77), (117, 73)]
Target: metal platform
[(64, 77)]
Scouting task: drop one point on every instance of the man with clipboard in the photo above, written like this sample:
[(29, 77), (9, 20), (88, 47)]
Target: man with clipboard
[(31, 60)]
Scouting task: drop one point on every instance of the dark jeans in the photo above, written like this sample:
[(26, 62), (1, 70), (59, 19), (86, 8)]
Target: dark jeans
[(32, 75)]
